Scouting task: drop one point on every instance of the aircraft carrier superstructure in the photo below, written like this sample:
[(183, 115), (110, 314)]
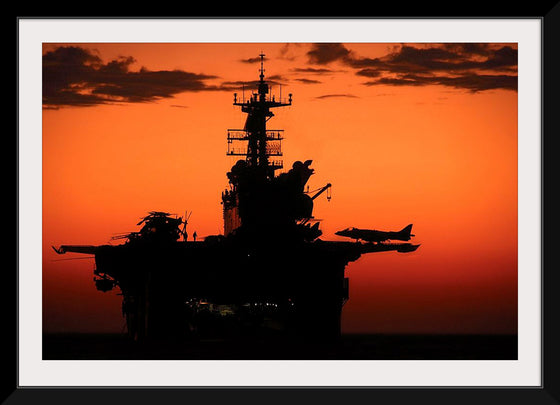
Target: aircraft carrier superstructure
[(269, 270)]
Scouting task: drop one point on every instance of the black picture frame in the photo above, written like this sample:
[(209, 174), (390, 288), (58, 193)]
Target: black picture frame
[(548, 393)]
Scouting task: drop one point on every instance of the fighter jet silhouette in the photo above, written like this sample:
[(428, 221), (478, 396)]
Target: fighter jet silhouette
[(372, 235)]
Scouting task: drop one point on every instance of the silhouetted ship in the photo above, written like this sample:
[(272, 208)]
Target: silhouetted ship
[(269, 271)]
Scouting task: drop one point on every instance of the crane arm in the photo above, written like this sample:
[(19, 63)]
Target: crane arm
[(321, 191)]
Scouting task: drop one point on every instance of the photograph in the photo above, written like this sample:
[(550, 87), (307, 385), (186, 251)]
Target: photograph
[(223, 208), (279, 200)]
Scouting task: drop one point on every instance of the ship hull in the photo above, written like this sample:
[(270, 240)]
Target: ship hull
[(296, 288)]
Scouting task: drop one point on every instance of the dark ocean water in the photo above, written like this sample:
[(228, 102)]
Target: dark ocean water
[(348, 347)]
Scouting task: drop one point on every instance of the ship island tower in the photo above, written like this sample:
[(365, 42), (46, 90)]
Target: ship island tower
[(260, 147)]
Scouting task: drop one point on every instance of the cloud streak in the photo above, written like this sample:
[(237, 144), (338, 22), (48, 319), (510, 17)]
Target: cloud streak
[(318, 71), (74, 76), (326, 96), (473, 82), (307, 81), (251, 84), (253, 60)]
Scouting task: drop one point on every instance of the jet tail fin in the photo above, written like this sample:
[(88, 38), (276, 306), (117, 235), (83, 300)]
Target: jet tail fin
[(406, 230)]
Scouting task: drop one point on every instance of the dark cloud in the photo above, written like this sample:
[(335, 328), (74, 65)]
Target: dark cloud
[(469, 48), (469, 66), (435, 59), (369, 73), (74, 76), (324, 53), (335, 96)]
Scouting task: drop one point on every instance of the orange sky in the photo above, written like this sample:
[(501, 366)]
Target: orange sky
[(430, 143)]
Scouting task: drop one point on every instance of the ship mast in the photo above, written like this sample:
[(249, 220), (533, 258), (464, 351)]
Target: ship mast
[(262, 143)]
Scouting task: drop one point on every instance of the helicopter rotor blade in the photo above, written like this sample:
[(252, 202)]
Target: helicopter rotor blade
[(73, 258)]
